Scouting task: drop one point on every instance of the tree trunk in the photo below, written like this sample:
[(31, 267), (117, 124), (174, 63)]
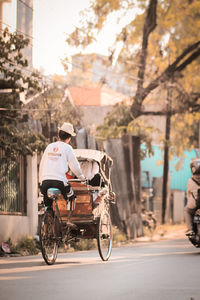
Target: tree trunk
[(166, 167), (166, 156)]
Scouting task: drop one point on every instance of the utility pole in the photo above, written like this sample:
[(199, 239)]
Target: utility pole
[(166, 156), (166, 149)]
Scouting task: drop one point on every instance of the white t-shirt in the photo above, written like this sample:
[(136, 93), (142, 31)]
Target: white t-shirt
[(56, 161)]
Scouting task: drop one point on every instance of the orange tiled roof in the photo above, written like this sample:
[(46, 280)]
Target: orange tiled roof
[(86, 95)]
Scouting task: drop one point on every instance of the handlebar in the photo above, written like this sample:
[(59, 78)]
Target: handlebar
[(78, 180), (74, 180)]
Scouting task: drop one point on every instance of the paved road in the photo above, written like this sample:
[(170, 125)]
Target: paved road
[(155, 271)]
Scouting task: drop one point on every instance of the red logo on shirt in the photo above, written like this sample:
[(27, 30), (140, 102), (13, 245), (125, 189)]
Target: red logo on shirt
[(55, 149)]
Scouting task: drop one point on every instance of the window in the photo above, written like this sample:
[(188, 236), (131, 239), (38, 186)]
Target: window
[(12, 184)]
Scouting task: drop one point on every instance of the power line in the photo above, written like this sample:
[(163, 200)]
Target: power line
[(92, 72), (23, 69), (10, 26), (29, 109), (46, 79), (118, 74)]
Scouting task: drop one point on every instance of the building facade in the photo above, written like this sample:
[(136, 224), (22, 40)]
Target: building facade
[(17, 15), (18, 180)]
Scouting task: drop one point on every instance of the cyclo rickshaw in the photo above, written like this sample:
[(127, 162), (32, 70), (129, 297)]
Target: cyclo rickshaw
[(87, 217)]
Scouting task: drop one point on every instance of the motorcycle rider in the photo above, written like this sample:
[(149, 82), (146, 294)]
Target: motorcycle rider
[(192, 193)]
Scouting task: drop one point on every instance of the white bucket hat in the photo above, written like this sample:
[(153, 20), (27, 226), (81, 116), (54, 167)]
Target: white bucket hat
[(67, 127)]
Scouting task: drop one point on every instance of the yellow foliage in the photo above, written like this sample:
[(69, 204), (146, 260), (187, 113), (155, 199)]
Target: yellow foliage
[(189, 119), (178, 25), (159, 162)]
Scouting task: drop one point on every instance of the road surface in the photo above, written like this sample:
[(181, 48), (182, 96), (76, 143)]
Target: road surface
[(164, 270)]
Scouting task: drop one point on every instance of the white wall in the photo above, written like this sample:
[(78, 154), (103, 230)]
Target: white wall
[(178, 206), (16, 227), (32, 194)]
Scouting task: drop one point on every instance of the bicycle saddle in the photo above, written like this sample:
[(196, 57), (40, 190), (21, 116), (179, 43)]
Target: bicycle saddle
[(53, 192)]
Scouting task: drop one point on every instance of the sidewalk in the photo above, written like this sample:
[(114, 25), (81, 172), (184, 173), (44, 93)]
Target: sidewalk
[(162, 232), (165, 232)]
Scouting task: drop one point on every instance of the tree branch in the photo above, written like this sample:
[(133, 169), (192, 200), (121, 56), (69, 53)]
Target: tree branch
[(149, 26), (174, 68), (191, 107), (172, 112)]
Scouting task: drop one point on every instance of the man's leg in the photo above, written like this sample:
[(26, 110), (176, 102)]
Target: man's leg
[(46, 184), (69, 195), (189, 213)]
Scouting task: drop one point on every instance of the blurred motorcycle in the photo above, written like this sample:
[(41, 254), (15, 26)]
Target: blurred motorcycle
[(195, 238), (149, 220)]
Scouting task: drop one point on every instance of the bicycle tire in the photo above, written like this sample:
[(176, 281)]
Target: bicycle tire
[(104, 235), (48, 241)]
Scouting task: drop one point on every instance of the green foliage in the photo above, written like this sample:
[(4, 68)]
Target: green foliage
[(15, 141), (15, 138), (25, 246), (186, 126), (84, 244), (13, 66), (54, 108), (118, 237)]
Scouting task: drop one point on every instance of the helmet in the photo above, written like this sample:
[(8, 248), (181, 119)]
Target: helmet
[(195, 166)]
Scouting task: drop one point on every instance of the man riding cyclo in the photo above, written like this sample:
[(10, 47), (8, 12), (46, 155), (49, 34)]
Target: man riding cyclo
[(56, 161)]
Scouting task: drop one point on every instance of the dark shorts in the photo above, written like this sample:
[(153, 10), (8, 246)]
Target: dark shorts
[(46, 184)]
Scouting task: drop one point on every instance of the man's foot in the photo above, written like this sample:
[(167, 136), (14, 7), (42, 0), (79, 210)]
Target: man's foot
[(189, 232)]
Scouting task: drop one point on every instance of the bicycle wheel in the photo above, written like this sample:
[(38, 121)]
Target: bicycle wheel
[(48, 242), (104, 236)]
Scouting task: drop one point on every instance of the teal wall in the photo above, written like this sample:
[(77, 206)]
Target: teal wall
[(178, 179)]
